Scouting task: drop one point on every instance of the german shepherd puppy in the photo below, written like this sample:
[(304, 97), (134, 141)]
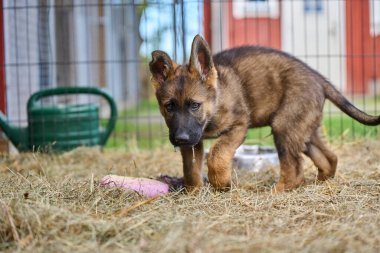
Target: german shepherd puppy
[(221, 96)]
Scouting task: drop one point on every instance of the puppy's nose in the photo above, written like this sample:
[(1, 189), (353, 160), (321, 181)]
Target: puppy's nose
[(182, 137)]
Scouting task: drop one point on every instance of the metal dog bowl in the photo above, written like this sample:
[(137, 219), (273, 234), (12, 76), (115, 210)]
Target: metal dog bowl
[(254, 158)]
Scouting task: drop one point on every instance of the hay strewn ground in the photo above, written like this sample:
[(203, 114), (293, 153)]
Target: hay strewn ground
[(54, 204)]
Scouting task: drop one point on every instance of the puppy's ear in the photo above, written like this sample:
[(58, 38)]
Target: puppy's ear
[(160, 67), (201, 58)]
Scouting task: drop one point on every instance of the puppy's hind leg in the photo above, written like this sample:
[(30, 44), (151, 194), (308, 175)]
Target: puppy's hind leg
[(291, 171), (325, 160), (290, 132)]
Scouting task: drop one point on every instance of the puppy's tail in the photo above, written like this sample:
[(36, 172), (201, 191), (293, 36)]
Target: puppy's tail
[(342, 103)]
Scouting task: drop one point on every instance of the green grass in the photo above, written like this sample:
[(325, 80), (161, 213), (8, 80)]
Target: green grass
[(132, 134), (146, 107), (142, 127), (337, 126), (343, 127)]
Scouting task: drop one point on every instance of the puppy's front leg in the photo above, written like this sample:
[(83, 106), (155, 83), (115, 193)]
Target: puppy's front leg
[(192, 166), (219, 162)]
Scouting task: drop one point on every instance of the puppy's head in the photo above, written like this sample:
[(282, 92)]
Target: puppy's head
[(186, 93)]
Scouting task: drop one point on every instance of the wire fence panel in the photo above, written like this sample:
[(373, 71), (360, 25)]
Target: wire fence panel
[(107, 44)]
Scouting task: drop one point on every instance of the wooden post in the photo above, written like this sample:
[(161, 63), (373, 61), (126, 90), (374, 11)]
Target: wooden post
[(4, 146), (101, 48), (207, 22)]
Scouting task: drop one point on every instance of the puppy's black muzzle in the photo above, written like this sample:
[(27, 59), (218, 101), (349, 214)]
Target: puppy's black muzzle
[(184, 138), (184, 129)]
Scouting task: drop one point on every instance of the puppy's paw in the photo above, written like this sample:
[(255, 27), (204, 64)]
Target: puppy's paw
[(281, 186), (193, 188), (220, 183)]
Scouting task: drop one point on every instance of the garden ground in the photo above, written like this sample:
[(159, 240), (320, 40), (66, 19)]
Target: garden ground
[(53, 203)]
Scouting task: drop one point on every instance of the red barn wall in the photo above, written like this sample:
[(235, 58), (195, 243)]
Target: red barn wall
[(363, 50), (254, 31)]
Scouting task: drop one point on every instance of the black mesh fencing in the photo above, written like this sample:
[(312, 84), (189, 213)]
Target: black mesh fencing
[(107, 44)]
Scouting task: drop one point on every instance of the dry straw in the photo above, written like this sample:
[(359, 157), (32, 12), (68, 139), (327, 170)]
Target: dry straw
[(55, 204)]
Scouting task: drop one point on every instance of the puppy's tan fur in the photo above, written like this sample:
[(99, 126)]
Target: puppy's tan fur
[(243, 88)]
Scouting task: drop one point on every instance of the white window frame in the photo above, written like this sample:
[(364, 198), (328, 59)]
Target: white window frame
[(254, 9), (374, 17), (313, 6)]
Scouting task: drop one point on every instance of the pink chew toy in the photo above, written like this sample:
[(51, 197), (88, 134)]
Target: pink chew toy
[(144, 186)]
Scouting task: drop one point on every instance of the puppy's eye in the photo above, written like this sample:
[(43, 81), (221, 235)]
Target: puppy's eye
[(195, 106), (169, 107)]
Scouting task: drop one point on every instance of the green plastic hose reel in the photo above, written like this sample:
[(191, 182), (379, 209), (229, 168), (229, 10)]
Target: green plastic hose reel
[(61, 128)]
